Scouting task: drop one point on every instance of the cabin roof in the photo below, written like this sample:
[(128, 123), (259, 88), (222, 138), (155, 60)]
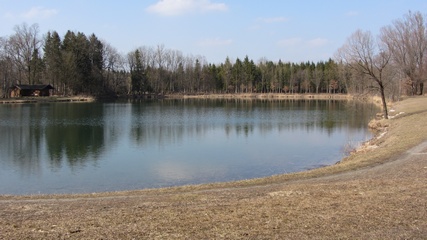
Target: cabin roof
[(33, 87)]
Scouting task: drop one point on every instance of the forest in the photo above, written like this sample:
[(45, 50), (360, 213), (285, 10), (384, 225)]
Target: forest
[(390, 64)]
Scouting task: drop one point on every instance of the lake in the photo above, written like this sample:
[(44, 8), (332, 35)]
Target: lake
[(112, 146)]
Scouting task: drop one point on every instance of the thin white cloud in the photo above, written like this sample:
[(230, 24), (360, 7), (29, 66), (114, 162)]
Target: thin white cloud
[(39, 12), (317, 42), (8, 15), (290, 42), (299, 42), (214, 42), (179, 7), (272, 20), (352, 14)]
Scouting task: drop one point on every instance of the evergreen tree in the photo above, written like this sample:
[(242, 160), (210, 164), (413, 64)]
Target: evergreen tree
[(84, 65), (248, 77), (53, 61), (197, 76), (69, 73), (138, 77), (226, 75), (97, 85), (36, 68), (237, 74)]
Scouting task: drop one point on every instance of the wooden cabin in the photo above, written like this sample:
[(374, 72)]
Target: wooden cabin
[(22, 90)]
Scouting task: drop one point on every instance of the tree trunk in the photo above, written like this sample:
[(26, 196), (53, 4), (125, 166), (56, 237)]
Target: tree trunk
[(383, 100)]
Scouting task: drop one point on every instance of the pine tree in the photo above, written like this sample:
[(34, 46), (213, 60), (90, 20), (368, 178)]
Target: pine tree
[(36, 67), (96, 48), (138, 77), (53, 61)]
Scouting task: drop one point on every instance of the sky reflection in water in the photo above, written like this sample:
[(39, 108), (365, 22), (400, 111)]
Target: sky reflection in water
[(91, 147)]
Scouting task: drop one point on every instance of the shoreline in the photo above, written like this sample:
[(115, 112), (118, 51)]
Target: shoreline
[(23, 100), (377, 192), (272, 96), (228, 96)]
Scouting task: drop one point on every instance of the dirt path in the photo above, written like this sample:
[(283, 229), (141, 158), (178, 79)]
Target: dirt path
[(379, 193)]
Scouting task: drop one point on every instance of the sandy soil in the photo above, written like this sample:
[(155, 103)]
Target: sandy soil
[(379, 192)]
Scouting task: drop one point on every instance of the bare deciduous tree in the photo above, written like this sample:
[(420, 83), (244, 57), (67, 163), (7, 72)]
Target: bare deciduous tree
[(6, 68), (22, 45), (317, 77), (364, 55), (114, 64), (406, 39)]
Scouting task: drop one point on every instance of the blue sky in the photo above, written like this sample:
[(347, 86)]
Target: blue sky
[(295, 31)]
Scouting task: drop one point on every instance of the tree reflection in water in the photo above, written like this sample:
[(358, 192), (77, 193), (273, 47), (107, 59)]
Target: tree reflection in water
[(204, 140)]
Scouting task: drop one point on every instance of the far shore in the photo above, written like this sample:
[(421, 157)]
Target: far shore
[(273, 96), (243, 96), (46, 99)]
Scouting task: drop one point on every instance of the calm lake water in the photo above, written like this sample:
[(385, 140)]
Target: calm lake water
[(93, 147)]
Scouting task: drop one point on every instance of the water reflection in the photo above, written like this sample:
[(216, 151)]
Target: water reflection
[(125, 145), (20, 141), (171, 120)]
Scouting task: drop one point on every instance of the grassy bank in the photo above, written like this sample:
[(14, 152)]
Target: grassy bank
[(378, 192)]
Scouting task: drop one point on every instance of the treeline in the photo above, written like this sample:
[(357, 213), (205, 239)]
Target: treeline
[(79, 64), (75, 64), (169, 71)]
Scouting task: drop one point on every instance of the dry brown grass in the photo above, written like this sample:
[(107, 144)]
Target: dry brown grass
[(271, 96), (376, 193)]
